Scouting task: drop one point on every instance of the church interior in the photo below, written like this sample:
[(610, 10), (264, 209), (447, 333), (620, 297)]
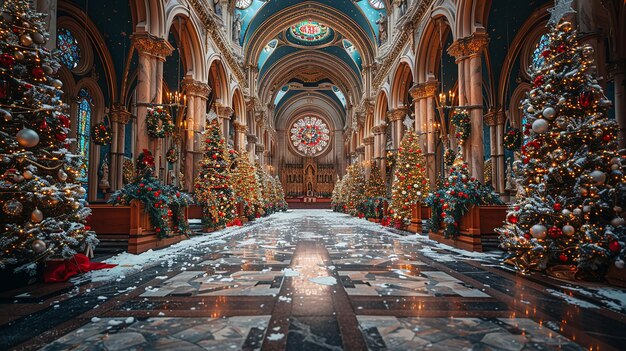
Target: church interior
[(312, 174)]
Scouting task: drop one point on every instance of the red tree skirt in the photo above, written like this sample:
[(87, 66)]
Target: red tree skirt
[(60, 271)]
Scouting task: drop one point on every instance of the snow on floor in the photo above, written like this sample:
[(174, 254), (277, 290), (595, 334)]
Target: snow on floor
[(324, 280), (572, 300)]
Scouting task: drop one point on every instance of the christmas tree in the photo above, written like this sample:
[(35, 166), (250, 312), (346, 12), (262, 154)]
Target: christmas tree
[(375, 186), (245, 184), (213, 190), (410, 186), (41, 197), (281, 203), (336, 195), (573, 180), (354, 188)]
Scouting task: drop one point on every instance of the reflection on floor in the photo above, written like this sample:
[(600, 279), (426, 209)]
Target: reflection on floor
[(312, 280)]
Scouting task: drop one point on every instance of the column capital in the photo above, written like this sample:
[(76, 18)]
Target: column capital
[(224, 112), (252, 139), (467, 47), (196, 88), (368, 140), (119, 114), (397, 114), (490, 118), (379, 129), (240, 128), (152, 45)]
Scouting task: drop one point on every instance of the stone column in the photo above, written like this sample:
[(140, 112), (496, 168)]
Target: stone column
[(395, 117), (369, 148), (151, 50), (619, 76), (119, 119), (197, 93), (467, 52), (240, 136), (224, 113), (49, 8), (490, 120)]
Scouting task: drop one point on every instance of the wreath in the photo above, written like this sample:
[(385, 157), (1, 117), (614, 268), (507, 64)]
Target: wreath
[(101, 134), (513, 139), (156, 129), (461, 122), (172, 155)]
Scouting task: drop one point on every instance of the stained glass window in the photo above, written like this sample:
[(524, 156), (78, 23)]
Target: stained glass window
[(68, 47), (243, 4), (310, 136), (377, 4), (85, 104), (309, 31), (542, 45)]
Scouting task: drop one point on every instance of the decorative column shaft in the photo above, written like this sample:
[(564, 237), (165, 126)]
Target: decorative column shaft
[(119, 119), (197, 93)]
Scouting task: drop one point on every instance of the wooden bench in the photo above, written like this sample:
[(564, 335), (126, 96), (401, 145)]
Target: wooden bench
[(477, 229)]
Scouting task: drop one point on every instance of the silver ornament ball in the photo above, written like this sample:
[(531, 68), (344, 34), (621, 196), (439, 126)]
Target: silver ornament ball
[(6, 115), (549, 112), (617, 221), (38, 246), (598, 176), (568, 230), (619, 263), (538, 231), (27, 138), (577, 212), (38, 38), (62, 175), (566, 212), (540, 126)]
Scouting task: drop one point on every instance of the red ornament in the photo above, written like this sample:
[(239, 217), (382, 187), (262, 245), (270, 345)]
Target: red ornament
[(512, 219), (546, 53), (38, 72), (555, 232), (65, 121), (607, 137), (61, 136), (563, 257), (7, 60), (615, 246), (561, 49), (87, 227), (585, 99), (538, 81), (527, 236), (557, 206)]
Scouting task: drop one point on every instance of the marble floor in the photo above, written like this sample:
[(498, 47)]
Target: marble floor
[(312, 280)]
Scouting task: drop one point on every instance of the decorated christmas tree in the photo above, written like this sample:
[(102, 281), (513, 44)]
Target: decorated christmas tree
[(281, 203), (354, 188), (213, 184), (375, 186), (42, 200), (336, 196), (410, 185), (245, 185), (573, 180)]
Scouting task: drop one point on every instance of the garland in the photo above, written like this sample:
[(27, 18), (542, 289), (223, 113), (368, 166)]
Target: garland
[(156, 129), (462, 125), (513, 139), (101, 134), (162, 202), (172, 155)]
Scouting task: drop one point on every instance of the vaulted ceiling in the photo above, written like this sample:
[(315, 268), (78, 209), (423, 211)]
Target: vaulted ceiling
[(312, 50)]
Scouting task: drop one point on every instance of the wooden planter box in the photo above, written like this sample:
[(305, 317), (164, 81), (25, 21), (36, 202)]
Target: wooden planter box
[(616, 276), (374, 220), (127, 228), (418, 213), (194, 212), (477, 229)]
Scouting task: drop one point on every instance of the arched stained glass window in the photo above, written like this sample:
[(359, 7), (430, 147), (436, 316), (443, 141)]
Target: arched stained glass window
[(542, 45), (85, 104), (310, 136), (68, 47)]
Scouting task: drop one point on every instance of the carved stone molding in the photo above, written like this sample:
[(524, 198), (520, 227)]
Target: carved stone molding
[(470, 46), (379, 129), (260, 148), (360, 149), (224, 112), (119, 114), (152, 45), (489, 118), (252, 139), (240, 128), (368, 140), (196, 88), (397, 114)]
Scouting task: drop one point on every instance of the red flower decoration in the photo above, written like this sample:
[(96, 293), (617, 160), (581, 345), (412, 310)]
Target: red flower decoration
[(65, 121), (61, 136)]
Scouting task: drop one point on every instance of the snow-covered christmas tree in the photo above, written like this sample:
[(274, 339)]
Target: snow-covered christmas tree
[(245, 185), (354, 187), (410, 185), (213, 189), (42, 200), (574, 186)]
